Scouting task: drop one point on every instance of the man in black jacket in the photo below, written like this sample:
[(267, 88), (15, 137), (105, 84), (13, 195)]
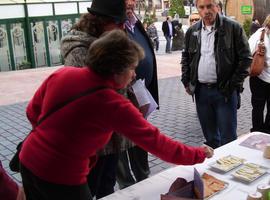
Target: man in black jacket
[(168, 31), (146, 70), (215, 63)]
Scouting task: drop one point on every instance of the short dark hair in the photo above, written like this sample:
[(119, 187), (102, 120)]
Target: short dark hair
[(113, 53)]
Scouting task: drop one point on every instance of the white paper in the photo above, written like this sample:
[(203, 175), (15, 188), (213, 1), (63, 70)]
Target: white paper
[(153, 105), (140, 92), (144, 97)]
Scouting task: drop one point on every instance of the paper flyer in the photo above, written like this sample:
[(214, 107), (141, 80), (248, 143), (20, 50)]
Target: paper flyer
[(258, 142), (144, 97)]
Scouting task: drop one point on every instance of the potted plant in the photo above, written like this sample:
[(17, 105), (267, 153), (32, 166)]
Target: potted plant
[(24, 65)]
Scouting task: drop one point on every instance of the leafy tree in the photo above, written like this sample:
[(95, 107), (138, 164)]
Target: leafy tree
[(177, 7), (150, 13), (246, 26)]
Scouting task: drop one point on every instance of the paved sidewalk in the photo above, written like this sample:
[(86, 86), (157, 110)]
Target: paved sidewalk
[(176, 117)]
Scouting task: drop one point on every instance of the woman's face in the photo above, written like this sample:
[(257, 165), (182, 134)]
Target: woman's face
[(124, 79)]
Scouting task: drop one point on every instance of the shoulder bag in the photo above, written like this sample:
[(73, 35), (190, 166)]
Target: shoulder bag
[(258, 61), (14, 163)]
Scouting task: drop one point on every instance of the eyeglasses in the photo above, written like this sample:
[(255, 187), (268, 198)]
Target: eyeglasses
[(209, 6), (194, 20)]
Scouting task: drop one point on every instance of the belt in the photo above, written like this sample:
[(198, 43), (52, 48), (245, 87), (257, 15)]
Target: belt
[(209, 85)]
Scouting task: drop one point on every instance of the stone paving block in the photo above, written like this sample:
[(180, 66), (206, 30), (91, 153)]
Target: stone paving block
[(156, 169), (5, 163), (166, 165), (194, 139), (12, 147), (16, 142), (151, 157), (152, 164), (180, 136), (13, 131), (6, 127), (17, 177), (12, 138), (5, 142), (11, 173), (157, 161), (193, 143), (2, 147), (9, 156), (2, 131), (2, 157), (6, 152)]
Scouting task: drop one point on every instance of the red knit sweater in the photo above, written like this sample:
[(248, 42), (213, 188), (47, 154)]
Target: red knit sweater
[(59, 149)]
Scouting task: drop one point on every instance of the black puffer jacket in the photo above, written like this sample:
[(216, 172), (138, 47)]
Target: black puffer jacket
[(232, 54)]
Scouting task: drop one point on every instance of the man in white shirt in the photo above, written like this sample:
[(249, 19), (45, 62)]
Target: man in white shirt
[(215, 63), (168, 31)]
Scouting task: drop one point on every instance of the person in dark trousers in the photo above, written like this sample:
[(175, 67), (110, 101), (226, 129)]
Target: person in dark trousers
[(255, 25), (61, 150), (168, 31), (153, 35), (178, 39), (215, 62), (103, 16), (147, 70), (260, 85)]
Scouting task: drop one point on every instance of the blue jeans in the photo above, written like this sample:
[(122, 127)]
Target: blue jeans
[(217, 115), (168, 43)]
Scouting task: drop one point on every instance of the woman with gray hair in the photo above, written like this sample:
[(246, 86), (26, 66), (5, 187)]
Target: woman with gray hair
[(55, 156), (260, 85)]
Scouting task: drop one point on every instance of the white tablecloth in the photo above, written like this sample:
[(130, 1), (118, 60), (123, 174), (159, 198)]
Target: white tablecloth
[(151, 188)]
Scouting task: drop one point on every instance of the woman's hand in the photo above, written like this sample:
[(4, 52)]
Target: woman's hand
[(209, 151)]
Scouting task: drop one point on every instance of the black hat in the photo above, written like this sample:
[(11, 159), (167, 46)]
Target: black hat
[(115, 9)]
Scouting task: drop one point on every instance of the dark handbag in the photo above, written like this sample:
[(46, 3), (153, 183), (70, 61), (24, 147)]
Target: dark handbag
[(258, 61), (14, 163)]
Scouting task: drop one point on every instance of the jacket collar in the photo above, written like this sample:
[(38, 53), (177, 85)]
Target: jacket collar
[(219, 25)]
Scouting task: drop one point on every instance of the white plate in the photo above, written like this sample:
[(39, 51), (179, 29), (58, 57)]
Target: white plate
[(227, 163), (226, 184), (250, 172)]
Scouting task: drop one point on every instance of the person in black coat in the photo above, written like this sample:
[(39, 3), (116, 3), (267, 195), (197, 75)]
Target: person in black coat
[(136, 157), (255, 25), (168, 31)]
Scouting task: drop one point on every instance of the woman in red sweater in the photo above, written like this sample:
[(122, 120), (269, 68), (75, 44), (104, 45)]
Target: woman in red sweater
[(55, 157)]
